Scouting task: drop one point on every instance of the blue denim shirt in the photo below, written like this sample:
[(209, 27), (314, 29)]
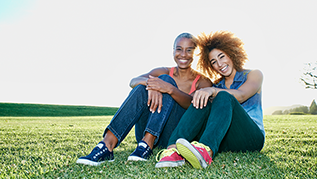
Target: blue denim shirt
[(253, 105)]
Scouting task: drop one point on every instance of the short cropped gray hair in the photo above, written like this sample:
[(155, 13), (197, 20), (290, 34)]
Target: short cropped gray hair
[(187, 36)]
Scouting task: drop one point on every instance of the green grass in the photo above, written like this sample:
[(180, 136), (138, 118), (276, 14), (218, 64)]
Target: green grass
[(20, 109), (48, 147)]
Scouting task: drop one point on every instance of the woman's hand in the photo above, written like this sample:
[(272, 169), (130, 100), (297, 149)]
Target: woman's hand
[(154, 83), (154, 100), (201, 97)]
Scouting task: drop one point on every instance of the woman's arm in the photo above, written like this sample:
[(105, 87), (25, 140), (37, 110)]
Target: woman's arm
[(142, 79), (182, 98), (179, 96), (249, 88), (159, 85)]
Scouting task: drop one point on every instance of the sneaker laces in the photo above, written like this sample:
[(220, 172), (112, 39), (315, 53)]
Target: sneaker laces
[(165, 152), (195, 143)]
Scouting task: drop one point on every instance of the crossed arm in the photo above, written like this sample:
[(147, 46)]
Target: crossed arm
[(156, 87)]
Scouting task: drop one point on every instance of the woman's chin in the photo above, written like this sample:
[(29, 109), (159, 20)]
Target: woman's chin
[(184, 66)]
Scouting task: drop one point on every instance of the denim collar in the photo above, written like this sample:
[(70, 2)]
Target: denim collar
[(237, 78)]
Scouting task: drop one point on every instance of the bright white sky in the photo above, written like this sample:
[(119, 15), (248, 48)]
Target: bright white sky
[(86, 52)]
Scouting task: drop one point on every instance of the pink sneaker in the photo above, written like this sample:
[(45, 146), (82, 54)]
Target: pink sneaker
[(169, 158), (195, 153)]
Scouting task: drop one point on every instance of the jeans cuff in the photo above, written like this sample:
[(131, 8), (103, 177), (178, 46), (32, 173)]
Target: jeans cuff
[(153, 133)]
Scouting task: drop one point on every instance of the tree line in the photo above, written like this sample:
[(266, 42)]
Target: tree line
[(299, 110)]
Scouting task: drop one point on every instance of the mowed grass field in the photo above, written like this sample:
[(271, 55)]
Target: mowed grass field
[(48, 147)]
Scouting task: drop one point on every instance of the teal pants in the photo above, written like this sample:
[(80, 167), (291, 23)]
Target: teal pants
[(223, 125)]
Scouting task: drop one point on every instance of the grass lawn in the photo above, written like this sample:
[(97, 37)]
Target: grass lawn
[(48, 147), (22, 109)]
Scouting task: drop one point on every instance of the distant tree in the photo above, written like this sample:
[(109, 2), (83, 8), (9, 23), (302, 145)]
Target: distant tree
[(301, 109), (310, 76), (278, 112), (313, 107)]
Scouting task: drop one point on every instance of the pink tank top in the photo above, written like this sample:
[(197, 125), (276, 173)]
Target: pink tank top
[(193, 88)]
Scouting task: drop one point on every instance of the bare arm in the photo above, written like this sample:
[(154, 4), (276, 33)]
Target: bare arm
[(249, 88), (182, 98), (142, 79), (203, 83), (179, 96)]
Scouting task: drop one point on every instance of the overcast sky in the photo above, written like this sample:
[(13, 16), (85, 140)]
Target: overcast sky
[(86, 52)]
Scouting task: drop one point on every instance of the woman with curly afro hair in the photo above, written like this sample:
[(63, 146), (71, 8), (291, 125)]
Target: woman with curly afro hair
[(225, 117)]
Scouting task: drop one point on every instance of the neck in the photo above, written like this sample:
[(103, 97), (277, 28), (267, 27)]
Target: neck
[(184, 71)]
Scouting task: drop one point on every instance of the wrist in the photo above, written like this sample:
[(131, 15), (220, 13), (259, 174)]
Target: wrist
[(145, 82), (171, 90), (214, 92)]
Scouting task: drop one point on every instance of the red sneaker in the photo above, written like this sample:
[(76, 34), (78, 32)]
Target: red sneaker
[(169, 158), (195, 153)]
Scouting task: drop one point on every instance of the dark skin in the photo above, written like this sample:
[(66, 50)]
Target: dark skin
[(183, 75)]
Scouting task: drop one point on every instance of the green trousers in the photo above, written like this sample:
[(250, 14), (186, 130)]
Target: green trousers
[(223, 125)]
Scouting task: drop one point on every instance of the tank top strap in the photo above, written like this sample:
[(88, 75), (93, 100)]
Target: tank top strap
[(172, 72), (193, 88)]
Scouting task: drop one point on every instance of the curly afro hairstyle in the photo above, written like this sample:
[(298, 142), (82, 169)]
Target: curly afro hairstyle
[(225, 41)]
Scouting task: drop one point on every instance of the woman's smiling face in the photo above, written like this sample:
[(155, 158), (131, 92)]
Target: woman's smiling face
[(183, 52), (221, 62)]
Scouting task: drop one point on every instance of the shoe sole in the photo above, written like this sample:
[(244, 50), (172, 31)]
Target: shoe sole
[(191, 154), (169, 164), (135, 158), (88, 162)]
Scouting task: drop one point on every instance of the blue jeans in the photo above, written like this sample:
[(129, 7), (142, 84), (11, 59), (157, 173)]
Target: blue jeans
[(223, 125), (134, 111)]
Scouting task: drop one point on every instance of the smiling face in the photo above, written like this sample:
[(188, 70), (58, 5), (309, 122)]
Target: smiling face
[(221, 63), (183, 52)]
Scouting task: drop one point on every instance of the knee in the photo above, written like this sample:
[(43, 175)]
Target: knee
[(167, 79), (223, 96), (203, 110), (139, 88)]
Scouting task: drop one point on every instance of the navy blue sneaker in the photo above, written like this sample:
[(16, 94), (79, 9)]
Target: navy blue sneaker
[(97, 156), (141, 153)]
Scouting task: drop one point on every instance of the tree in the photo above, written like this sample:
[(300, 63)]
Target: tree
[(313, 107), (310, 77), (301, 109)]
